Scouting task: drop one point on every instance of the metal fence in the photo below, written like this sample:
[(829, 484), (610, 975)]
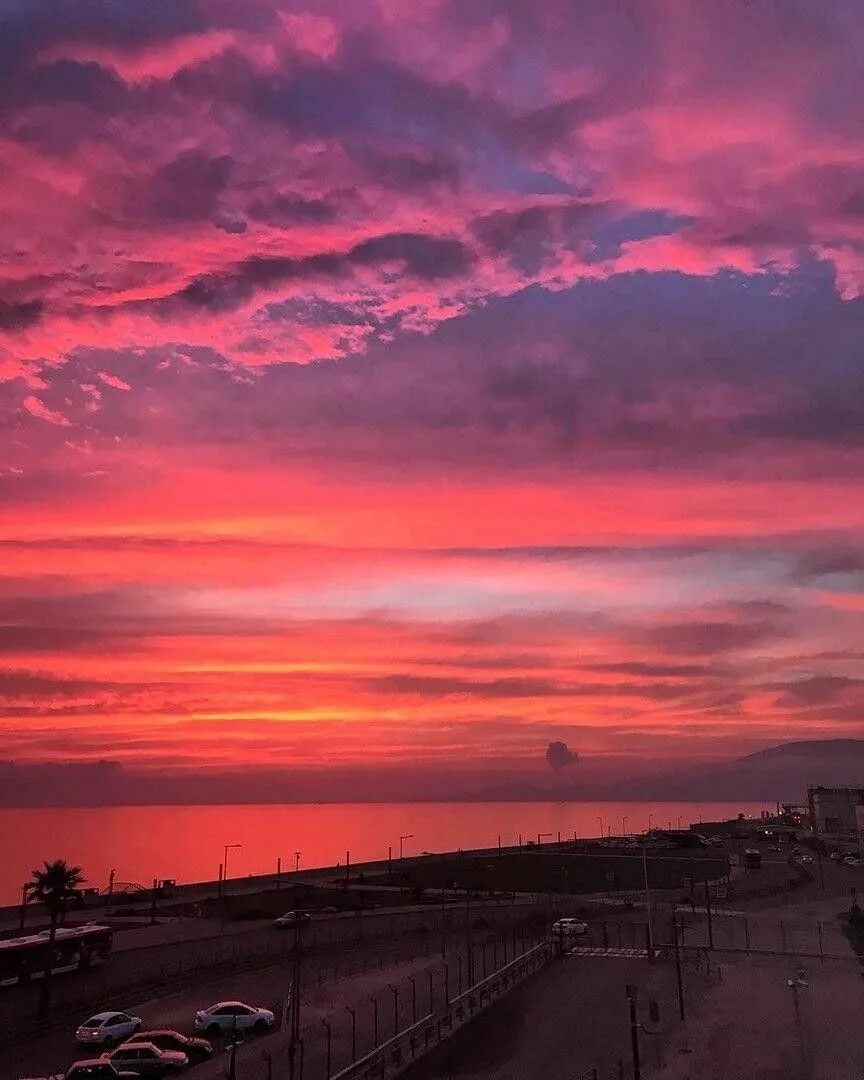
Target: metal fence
[(720, 930), (414, 1041), (131, 974), (397, 1023)]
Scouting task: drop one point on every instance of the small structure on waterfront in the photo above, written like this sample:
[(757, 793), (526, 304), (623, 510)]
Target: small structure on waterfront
[(837, 811)]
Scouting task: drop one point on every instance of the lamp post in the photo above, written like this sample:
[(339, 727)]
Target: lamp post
[(407, 836), (226, 848), (623, 824), (540, 836), (111, 877), (25, 889), (600, 821), (297, 855), (796, 985), (650, 820)]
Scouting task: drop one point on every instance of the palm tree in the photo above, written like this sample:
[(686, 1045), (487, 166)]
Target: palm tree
[(53, 887)]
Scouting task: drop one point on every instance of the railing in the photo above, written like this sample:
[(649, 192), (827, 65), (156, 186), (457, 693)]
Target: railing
[(414, 1041)]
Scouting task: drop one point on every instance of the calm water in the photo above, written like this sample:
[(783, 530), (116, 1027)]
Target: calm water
[(186, 842)]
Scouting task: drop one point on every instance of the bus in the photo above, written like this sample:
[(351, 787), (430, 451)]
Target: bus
[(76, 948), (753, 859)]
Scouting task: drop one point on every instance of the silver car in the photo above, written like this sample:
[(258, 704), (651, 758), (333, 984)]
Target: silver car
[(228, 1016), (107, 1029)]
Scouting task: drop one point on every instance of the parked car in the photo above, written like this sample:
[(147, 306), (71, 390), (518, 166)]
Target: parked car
[(228, 1016), (805, 858), (96, 1069), (108, 1029), (853, 860), (569, 928), (836, 856), (196, 1050), (329, 910), (292, 918), (147, 1059)]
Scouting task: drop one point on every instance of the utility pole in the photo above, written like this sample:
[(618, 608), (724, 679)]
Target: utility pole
[(648, 905), (232, 1060), (796, 985), (353, 1013), (678, 976), (634, 1032), (710, 920), (153, 902)]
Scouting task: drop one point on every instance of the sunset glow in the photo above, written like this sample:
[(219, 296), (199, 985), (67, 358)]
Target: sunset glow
[(390, 389)]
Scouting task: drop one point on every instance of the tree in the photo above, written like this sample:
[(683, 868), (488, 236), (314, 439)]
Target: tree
[(53, 887)]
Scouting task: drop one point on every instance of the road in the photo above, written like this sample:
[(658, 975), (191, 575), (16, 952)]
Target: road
[(265, 985), (164, 964), (570, 1018), (55, 1050)]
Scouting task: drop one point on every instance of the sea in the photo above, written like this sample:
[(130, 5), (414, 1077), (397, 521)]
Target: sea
[(188, 843)]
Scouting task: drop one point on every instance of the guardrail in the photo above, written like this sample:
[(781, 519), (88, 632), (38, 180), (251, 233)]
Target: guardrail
[(414, 1041)]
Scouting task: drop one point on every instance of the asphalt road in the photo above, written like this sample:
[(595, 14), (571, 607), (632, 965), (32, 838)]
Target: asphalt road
[(164, 964), (55, 1050), (569, 1018)]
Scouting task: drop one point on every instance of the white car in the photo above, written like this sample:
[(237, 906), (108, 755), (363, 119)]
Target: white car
[(293, 918), (228, 1016), (107, 1029), (853, 860), (569, 928)]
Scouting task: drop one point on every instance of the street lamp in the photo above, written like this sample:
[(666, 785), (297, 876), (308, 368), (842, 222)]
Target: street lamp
[(226, 848), (111, 877), (297, 855), (600, 820), (623, 824), (407, 836), (540, 836), (650, 819)]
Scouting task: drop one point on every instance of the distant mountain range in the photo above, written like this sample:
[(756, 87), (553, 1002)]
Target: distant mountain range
[(779, 773)]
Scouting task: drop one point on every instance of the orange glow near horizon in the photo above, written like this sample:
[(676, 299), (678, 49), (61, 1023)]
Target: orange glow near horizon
[(383, 399)]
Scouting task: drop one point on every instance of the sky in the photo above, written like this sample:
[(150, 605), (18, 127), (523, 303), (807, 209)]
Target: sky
[(393, 389)]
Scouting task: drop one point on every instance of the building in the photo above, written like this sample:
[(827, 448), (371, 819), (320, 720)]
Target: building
[(834, 810)]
